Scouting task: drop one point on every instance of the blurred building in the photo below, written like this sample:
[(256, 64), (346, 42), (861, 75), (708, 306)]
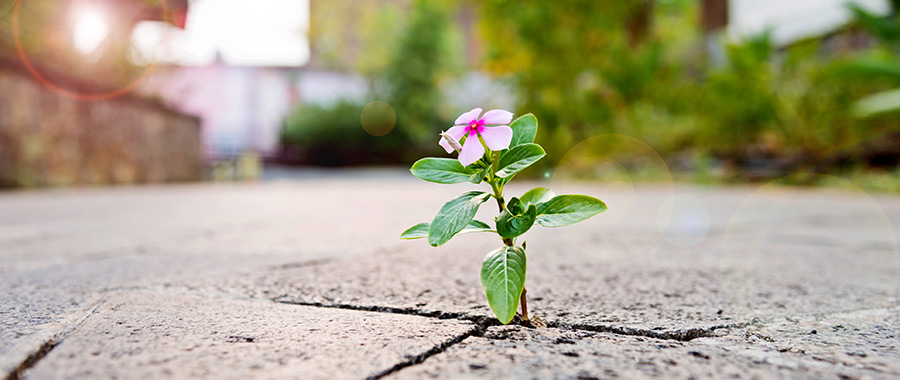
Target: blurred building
[(236, 66), (787, 21), (68, 117)]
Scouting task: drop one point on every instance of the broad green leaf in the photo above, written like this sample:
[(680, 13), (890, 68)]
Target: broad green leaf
[(455, 216), (479, 175), (421, 230), (563, 210), (441, 170), (524, 130), (520, 157), (515, 206), (536, 195), (503, 278), (511, 224)]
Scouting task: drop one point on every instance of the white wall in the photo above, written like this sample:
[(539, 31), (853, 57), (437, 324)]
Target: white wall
[(791, 20)]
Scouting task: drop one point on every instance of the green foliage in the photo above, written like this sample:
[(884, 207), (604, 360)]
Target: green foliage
[(739, 99), (503, 278), (794, 103), (421, 230), (455, 216), (442, 170), (503, 270), (412, 75), (517, 158), (333, 136), (524, 128), (536, 195), (563, 210), (516, 219)]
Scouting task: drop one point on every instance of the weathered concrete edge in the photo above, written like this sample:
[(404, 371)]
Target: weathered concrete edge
[(55, 339)]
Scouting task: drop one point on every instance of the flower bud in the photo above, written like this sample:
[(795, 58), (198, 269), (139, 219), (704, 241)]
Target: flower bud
[(452, 141)]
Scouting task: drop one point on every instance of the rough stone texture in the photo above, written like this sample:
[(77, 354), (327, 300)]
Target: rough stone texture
[(514, 352), (157, 335), (49, 139), (757, 266), (804, 276)]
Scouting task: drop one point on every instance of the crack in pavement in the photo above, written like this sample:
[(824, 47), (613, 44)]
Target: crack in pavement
[(443, 346), (33, 359), (485, 321), (51, 343), (679, 335), (481, 324)]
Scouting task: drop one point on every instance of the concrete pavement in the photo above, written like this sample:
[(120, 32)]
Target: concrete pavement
[(307, 279)]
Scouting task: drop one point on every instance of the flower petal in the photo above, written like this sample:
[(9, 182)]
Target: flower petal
[(468, 117), (497, 138), (494, 117), (472, 150), (455, 132)]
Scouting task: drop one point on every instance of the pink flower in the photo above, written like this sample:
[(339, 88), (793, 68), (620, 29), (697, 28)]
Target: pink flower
[(497, 136)]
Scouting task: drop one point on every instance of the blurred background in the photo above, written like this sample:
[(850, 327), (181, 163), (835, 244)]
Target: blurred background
[(98, 92)]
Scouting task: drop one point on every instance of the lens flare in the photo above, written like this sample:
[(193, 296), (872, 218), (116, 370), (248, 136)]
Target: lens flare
[(378, 118), (91, 30), (97, 96)]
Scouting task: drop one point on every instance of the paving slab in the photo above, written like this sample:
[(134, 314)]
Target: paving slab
[(810, 275), (663, 288), (143, 335), (514, 352)]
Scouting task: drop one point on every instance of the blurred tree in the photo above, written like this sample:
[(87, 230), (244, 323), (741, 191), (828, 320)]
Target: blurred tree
[(355, 35), (411, 77), (579, 66)]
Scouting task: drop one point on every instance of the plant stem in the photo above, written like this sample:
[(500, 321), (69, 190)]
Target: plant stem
[(524, 303)]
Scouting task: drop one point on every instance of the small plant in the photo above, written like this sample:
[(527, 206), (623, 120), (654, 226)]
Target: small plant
[(492, 150)]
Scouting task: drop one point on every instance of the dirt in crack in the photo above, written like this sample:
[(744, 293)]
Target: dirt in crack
[(32, 360), (484, 322)]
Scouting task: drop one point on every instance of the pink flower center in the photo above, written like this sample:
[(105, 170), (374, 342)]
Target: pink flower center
[(475, 126)]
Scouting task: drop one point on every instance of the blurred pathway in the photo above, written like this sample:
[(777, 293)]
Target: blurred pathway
[(304, 277)]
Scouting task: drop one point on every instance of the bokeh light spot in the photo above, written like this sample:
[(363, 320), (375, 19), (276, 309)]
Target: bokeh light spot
[(378, 118), (90, 29)]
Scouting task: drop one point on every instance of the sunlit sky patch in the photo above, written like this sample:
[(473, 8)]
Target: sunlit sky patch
[(245, 33)]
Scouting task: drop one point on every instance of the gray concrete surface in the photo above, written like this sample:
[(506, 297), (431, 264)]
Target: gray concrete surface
[(748, 282)]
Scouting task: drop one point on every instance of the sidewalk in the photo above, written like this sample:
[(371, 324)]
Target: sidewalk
[(307, 279)]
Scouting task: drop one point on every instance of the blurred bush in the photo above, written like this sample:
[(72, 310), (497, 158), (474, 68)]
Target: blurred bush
[(333, 136), (639, 68)]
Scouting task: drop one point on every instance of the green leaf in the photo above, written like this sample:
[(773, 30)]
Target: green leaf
[(536, 195), (455, 216), (479, 175), (520, 157), (524, 130), (512, 222), (503, 278), (563, 210), (441, 170), (421, 230)]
